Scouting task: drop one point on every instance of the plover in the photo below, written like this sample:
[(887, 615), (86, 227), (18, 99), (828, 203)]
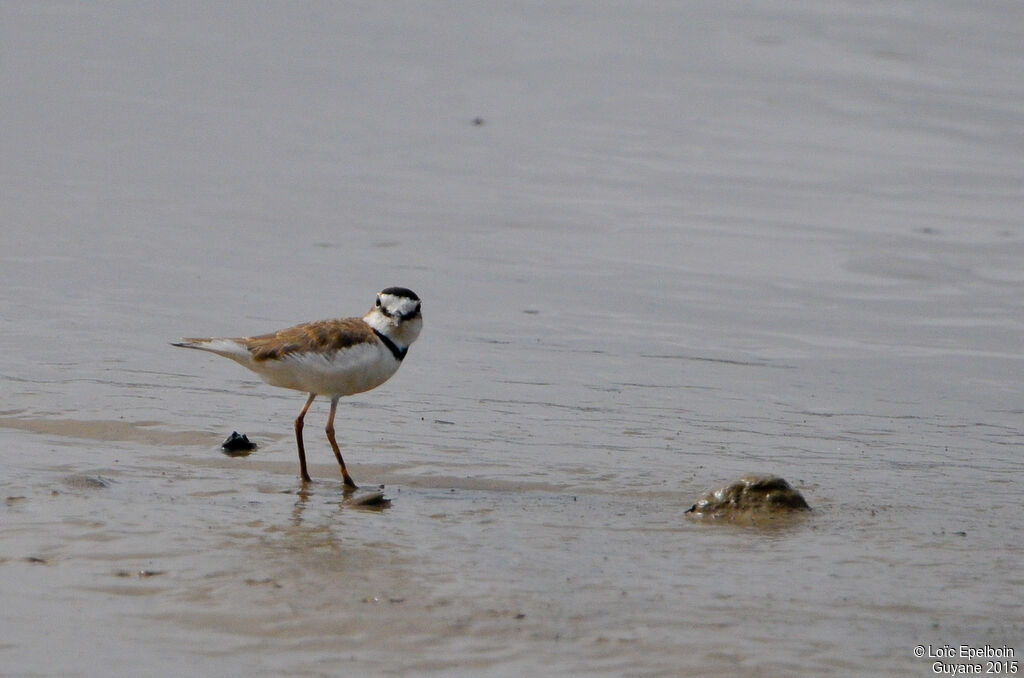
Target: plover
[(332, 358)]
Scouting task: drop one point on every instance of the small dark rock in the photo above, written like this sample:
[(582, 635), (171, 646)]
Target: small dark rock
[(237, 445), (478, 121)]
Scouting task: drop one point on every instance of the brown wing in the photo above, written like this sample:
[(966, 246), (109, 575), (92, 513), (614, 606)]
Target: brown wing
[(324, 336)]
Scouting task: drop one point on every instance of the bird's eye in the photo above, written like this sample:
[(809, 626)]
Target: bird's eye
[(378, 302)]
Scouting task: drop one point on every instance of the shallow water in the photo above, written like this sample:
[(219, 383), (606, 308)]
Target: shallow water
[(688, 242)]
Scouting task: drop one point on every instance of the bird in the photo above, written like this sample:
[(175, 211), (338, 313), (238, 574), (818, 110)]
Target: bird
[(330, 358)]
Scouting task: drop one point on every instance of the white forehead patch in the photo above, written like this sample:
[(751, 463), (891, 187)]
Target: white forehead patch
[(398, 305)]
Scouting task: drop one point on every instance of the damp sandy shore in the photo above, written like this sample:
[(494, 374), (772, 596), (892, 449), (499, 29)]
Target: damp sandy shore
[(687, 242)]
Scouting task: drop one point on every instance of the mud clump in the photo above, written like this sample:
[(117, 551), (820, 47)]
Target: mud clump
[(751, 500)]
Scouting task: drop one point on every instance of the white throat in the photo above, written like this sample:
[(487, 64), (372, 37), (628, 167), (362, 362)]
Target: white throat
[(401, 332)]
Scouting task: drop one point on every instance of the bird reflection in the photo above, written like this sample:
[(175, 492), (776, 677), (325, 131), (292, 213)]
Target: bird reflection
[(351, 498)]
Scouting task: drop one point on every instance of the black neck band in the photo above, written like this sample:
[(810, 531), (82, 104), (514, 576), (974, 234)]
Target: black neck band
[(399, 353)]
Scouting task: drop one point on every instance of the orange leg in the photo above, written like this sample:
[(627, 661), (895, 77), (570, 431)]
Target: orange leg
[(298, 438), (334, 444)]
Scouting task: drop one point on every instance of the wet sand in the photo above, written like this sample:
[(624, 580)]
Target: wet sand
[(687, 243)]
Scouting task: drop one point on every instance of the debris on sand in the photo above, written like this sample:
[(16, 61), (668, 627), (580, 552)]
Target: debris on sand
[(371, 499), (81, 481), (237, 445), (751, 500)]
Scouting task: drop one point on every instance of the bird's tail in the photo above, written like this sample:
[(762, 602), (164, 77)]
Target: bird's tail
[(229, 348)]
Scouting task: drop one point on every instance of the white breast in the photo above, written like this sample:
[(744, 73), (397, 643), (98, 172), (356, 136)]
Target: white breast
[(349, 370)]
